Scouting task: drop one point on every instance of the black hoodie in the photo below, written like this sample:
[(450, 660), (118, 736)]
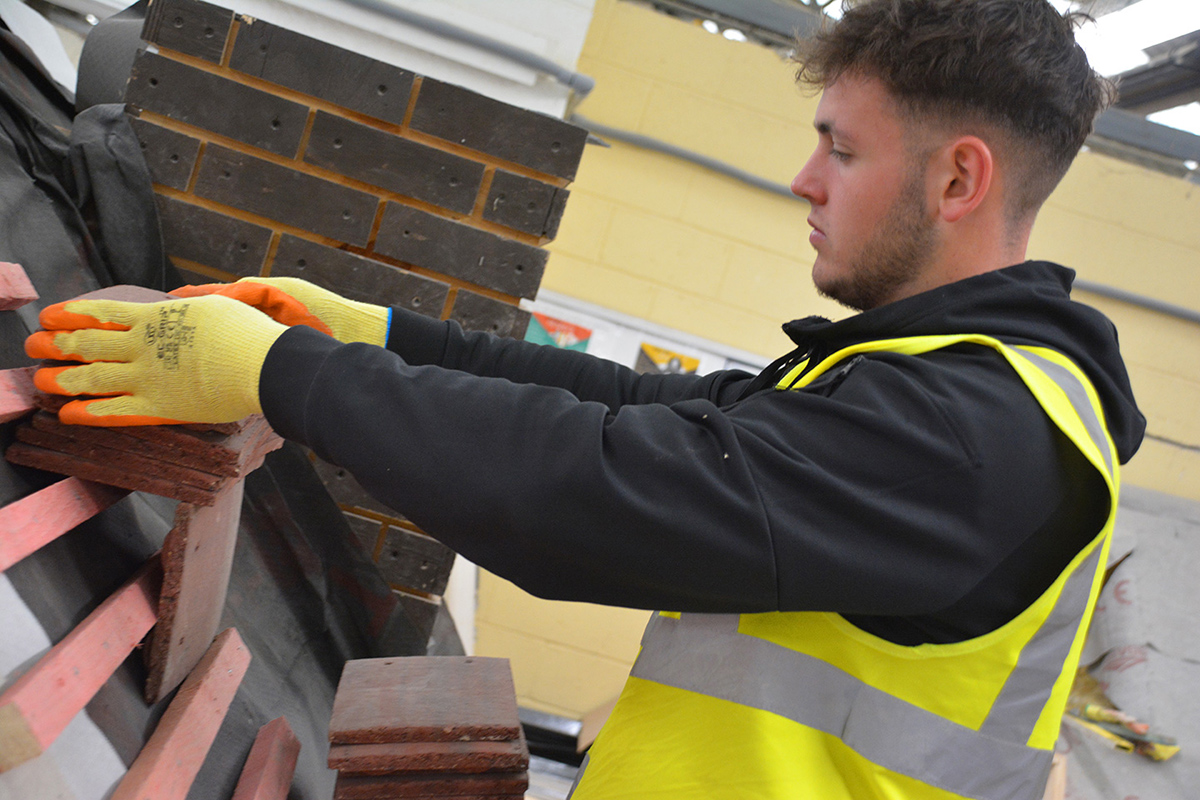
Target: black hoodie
[(928, 498)]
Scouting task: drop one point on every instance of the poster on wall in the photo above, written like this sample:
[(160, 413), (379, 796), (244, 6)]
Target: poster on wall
[(545, 329), (664, 361), (569, 324)]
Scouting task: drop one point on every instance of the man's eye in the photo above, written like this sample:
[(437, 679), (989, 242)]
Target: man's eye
[(839, 155)]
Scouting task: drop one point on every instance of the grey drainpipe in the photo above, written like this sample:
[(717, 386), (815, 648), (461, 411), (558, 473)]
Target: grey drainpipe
[(576, 81), (1163, 307), (659, 146)]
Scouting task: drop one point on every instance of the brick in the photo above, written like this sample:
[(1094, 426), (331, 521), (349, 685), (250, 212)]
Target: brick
[(28, 455), (118, 459), (216, 104), (322, 70), (168, 764), (268, 772), (421, 612), (170, 155), (514, 134), (369, 759), (357, 277), (399, 165), (426, 240), (15, 287), (283, 194), (192, 27), (17, 392), (366, 532), (40, 518), (380, 787), (428, 699), (36, 708), (525, 204), (478, 313), (213, 239), (217, 453), (415, 561), (197, 556), (240, 453)]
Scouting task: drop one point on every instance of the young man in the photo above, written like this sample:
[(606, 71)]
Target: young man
[(885, 547)]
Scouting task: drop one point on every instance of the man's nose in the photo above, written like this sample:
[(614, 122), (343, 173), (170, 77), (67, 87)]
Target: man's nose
[(806, 185)]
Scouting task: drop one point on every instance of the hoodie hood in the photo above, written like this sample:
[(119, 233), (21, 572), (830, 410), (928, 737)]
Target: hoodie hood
[(1026, 304)]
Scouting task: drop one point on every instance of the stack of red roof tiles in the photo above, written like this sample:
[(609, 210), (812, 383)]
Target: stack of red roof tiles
[(427, 727)]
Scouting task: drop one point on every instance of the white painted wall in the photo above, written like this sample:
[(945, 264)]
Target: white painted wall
[(553, 29)]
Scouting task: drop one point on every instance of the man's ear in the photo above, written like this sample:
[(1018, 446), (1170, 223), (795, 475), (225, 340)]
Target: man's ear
[(965, 169)]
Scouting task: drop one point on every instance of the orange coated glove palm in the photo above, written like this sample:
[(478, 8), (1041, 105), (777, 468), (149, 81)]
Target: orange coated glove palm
[(292, 301), (177, 361)]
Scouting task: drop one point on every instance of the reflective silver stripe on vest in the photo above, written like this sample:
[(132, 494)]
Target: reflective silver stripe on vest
[(1019, 704), (704, 653), (1078, 396)]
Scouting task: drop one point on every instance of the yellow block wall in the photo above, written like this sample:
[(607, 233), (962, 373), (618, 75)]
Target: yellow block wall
[(659, 238)]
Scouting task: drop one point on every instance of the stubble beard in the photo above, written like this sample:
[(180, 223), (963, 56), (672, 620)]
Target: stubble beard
[(896, 253)]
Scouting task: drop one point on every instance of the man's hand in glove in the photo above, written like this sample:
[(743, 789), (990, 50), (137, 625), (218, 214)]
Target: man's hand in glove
[(293, 301), (194, 360)]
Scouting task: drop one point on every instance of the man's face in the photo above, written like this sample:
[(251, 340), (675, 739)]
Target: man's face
[(871, 228)]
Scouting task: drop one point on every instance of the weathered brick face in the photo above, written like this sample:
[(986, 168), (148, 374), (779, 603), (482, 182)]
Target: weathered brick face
[(274, 153)]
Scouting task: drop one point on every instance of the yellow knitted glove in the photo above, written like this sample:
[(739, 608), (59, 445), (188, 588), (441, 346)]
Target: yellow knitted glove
[(159, 363), (293, 301)]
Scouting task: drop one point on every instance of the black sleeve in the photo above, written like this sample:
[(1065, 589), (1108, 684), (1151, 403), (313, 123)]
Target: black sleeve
[(423, 341), (860, 495)]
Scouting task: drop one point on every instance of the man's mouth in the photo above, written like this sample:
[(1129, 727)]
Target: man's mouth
[(817, 234)]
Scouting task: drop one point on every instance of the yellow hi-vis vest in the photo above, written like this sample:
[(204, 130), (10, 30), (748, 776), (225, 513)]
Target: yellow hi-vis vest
[(806, 706)]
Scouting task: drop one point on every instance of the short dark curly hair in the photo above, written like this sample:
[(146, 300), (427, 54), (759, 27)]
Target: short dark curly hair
[(1013, 65)]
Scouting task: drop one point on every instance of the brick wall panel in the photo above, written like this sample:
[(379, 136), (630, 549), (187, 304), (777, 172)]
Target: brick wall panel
[(478, 313), (198, 29), (515, 134), (212, 239), (322, 70), (415, 561), (525, 204), (170, 155), (236, 187), (398, 165), (422, 613), (357, 277), (346, 491), (366, 532), (279, 193), (460, 251), (216, 104)]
